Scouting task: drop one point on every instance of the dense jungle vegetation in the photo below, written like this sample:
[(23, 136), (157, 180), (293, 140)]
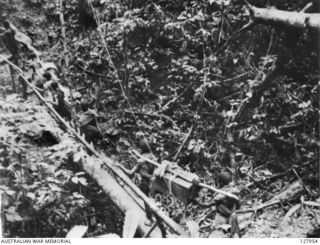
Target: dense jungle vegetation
[(206, 84)]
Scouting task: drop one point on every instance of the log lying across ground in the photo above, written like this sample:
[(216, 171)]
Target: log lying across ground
[(119, 194), (288, 18), (118, 186)]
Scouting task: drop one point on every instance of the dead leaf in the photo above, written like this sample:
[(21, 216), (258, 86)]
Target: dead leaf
[(83, 181), (78, 156), (131, 222), (193, 228), (224, 227), (110, 235), (286, 218), (77, 231)]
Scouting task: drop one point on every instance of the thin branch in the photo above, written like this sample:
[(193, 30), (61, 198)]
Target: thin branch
[(271, 41), (169, 103), (91, 72), (306, 8), (262, 206), (236, 77), (245, 27), (183, 143)]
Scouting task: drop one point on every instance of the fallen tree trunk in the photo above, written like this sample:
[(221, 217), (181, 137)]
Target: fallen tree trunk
[(119, 195), (117, 185), (288, 18)]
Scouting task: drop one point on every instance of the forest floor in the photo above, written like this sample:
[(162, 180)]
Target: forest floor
[(33, 133), (37, 132)]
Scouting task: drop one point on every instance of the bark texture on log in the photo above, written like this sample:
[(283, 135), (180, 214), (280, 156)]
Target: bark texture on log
[(289, 18)]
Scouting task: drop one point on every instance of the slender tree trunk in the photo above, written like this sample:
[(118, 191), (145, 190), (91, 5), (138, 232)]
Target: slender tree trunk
[(63, 35)]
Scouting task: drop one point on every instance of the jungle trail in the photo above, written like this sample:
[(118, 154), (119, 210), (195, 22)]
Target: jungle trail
[(164, 177)]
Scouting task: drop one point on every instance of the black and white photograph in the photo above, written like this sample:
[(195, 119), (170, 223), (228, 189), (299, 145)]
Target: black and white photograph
[(159, 119)]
